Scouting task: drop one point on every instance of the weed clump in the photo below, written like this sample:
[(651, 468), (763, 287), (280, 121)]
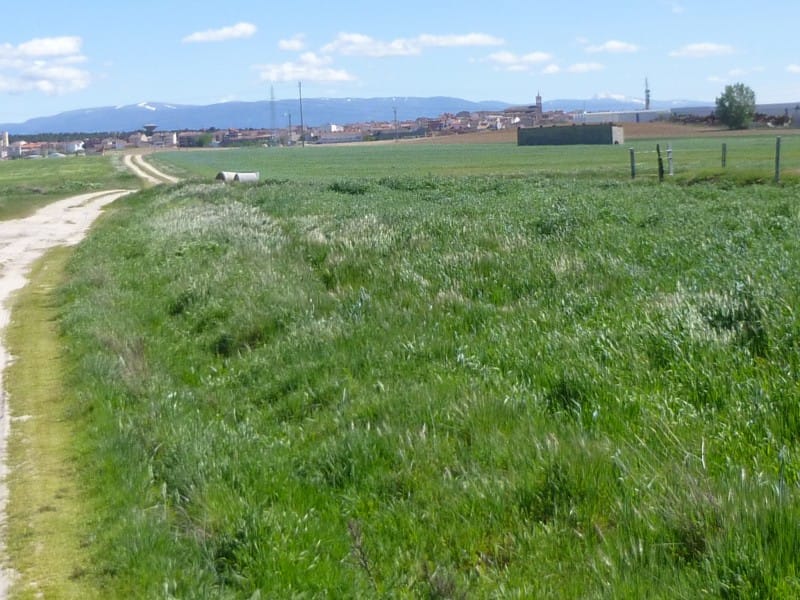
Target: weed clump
[(350, 187), (741, 313)]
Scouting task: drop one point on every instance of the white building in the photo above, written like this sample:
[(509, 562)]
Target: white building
[(73, 147), (621, 116), (17, 149)]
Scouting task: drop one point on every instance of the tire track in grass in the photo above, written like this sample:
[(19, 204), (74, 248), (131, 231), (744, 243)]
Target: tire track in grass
[(144, 164), (22, 242), (146, 171)]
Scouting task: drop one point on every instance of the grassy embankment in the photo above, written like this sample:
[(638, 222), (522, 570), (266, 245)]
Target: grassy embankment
[(46, 526), (428, 386), (26, 185)]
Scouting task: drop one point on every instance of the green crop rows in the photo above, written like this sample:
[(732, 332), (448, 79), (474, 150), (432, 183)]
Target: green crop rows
[(749, 159)]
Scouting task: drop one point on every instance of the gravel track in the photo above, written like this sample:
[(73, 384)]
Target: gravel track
[(22, 242), (146, 171)]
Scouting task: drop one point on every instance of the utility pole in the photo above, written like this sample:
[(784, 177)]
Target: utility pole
[(272, 110), (394, 109), (646, 94), (289, 137), (302, 127)]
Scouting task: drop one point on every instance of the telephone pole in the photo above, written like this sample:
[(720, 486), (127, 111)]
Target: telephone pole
[(302, 128), (272, 111)]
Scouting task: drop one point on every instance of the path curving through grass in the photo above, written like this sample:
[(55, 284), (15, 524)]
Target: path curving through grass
[(146, 171), (22, 242)]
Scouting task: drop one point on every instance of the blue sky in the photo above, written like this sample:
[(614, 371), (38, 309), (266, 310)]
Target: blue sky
[(63, 55)]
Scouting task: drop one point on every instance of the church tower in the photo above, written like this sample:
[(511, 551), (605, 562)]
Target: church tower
[(539, 112)]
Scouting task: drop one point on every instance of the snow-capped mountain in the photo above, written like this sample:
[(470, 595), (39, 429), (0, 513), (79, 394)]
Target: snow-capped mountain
[(266, 114)]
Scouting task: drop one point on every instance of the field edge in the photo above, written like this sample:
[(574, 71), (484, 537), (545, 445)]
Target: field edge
[(45, 540)]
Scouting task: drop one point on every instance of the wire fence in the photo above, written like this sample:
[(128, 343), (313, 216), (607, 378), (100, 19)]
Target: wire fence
[(763, 157)]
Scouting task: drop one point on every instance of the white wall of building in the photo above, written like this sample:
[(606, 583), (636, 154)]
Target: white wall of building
[(624, 116)]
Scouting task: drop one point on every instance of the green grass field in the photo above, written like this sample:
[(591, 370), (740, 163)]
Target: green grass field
[(748, 157), (407, 371), (26, 185)]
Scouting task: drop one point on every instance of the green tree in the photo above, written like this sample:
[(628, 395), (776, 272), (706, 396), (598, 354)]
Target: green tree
[(736, 106), (205, 139)]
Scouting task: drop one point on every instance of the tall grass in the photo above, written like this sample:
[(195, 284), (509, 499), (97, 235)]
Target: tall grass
[(435, 386)]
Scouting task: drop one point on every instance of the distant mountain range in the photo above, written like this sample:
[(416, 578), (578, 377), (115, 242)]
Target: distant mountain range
[(266, 114)]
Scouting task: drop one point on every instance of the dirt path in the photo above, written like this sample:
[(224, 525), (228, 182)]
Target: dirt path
[(146, 171), (22, 241)]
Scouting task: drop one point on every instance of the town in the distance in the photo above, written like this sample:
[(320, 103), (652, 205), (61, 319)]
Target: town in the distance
[(533, 115)]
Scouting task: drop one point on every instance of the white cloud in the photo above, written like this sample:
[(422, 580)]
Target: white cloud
[(296, 43), (702, 50), (793, 69), (234, 32), (44, 65), (611, 96), (740, 72), (309, 67), (359, 44), (57, 46), (455, 41), (734, 75), (508, 61), (677, 8), (614, 47), (585, 67), (551, 70)]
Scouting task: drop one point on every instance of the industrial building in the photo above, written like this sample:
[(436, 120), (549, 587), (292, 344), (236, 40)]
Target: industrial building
[(570, 135)]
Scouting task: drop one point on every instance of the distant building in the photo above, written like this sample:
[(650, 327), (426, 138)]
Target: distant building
[(164, 139), (73, 147), (534, 115), (137, 139), (340, 137), (194, 139), (621, 116), (570, 135), (17, 149)]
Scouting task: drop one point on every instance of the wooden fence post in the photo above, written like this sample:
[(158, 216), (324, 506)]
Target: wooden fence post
[(778, 159), (669, 160), (724, 155), (633, 164), (660, 163)]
